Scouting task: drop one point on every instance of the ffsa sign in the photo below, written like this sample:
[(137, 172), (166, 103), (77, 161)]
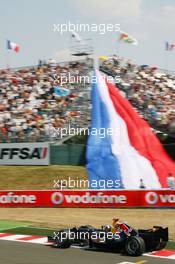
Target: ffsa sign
[(25, 154)]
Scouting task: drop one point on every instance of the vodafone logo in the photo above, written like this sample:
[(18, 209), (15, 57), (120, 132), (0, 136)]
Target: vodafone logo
[(57, 198), (152, 198), (88, 198), (14, 198)]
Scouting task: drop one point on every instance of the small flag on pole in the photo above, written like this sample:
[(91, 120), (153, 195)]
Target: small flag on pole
[(169, 46), (13, 46), (125, 37), (76, 36), (61, 92)]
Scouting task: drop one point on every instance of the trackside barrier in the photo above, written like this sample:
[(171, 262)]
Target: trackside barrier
[(68, 154), (44, 153), (75, 154), (88, 198)]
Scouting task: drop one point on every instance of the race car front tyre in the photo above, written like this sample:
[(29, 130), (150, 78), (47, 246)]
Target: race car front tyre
[(135, 246), (63, 240)]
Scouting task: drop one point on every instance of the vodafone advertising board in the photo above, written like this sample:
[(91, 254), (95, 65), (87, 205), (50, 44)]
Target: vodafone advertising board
[(25, 153), (87, 198)]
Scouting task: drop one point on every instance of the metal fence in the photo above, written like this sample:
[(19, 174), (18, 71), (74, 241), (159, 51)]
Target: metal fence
[(75, 154)]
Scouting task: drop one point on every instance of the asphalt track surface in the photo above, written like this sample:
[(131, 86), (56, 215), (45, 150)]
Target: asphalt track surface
[(25, 253)]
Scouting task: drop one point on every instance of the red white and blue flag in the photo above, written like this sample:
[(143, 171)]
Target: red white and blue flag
[(13, 46), (169, 46), (131, 152)]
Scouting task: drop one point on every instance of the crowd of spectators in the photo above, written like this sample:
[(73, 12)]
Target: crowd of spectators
[(29, 107), (30, 110), (150, 90)]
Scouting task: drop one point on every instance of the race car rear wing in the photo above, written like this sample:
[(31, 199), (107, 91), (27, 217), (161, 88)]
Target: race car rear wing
[(161, 232), (156, 233)]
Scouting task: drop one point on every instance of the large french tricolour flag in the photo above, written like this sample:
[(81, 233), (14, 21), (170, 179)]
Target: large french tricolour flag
[(129, 152)]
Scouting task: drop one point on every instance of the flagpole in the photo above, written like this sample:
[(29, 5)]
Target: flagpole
[(119, 47), (7, 59), (7, 55), (119, 43), (165, 59)]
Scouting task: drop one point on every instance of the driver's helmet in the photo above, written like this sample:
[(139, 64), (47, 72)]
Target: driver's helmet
[(106, 228), (115, 222), (121, 226)]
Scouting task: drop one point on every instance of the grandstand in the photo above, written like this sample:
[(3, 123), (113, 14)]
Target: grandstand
[(150, 90), (29, 107), (30, 110)]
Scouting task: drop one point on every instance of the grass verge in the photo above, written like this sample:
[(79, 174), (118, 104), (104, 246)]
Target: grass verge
[(6, 224), (38, 177)]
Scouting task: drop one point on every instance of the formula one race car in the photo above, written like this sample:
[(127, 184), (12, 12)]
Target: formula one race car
[(124, 239)]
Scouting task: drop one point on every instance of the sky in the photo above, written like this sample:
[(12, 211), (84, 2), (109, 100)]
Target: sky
[(30, 24)]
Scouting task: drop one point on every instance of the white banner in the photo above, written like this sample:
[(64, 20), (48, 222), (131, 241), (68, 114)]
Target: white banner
[(25, 153)]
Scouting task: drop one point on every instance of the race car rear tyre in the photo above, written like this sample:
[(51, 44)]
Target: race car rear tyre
[(135, 246), (161, 245), (63, 240)]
